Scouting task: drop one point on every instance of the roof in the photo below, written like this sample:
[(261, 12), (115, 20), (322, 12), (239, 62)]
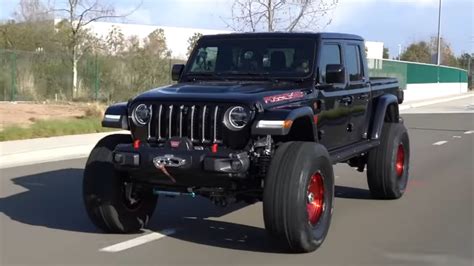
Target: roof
[(316, 35)]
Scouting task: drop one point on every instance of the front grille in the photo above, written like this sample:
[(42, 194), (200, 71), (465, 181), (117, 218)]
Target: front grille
[(202, 124)]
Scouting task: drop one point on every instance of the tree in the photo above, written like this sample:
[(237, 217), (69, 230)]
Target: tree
[(447, 55), (280, 15), (465, 60), (155, 44), (386, 53), (32, 11), (31, 29), (417, 52), (192, 42), (115, 41), (425, 52), (79, 14)]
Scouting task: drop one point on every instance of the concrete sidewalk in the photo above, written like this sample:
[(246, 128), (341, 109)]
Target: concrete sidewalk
[(34, 151)]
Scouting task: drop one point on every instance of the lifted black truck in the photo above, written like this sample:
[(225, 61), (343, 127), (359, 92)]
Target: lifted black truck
[(253, 117)]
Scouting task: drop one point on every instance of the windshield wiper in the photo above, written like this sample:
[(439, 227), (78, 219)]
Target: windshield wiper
[(265, 75), (287, 79), (206, 75), (240, 73)]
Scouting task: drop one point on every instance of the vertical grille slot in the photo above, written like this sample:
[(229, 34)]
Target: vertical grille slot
[(160, 114), (193, 113), (180, 127), (214, 128), (203, 123), (170, 122)]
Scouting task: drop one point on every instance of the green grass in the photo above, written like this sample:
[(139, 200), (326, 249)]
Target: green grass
[(51, 128)]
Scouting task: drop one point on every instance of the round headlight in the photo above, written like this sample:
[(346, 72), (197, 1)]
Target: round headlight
[(236, 118), (141, 115)]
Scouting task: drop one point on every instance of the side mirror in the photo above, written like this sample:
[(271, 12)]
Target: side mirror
[(335, 74), (176, 71)]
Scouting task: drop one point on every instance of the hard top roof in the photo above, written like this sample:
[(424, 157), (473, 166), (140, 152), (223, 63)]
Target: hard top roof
[(315, 35)]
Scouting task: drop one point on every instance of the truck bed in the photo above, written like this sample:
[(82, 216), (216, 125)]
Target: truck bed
[(376, 81), (387, 84)]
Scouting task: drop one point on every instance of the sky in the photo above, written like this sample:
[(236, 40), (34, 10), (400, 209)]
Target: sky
[(394, 22)]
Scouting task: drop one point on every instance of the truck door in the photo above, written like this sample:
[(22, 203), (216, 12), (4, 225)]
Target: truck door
[(333, 119), (358, 91)]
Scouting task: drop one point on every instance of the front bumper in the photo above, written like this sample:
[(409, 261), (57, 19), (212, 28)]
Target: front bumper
[(181, 165)]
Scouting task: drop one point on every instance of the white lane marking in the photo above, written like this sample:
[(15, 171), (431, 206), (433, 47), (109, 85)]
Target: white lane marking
[(469, 132), (439, 143), (457, 137), (138, 241)]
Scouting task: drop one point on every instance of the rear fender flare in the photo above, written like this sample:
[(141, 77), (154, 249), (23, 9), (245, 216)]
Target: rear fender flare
[(383, 104)]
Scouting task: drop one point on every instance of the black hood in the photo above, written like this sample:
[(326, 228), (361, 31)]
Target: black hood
[(229, 92)]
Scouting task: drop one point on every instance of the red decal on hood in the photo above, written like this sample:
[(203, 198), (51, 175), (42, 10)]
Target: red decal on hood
[(283, 97)]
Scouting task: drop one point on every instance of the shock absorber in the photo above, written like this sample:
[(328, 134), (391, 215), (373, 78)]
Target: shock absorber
[(265, 157), (263, 164)]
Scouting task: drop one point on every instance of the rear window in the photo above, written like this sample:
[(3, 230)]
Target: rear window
[(354, 63)]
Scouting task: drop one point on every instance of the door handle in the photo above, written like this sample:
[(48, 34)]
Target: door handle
[(346, 100)]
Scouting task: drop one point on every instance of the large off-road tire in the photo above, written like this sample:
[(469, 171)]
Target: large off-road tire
[(388, 164), (104, 192), (298, 195)]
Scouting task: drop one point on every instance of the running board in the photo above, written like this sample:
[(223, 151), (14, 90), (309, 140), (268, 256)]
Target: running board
[(347, 152)]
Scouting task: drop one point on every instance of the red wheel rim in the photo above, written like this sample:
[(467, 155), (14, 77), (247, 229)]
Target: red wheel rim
[(315, 198), (400, 163)]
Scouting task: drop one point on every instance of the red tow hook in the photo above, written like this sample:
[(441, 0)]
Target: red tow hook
[(214, 148), (136, 144)]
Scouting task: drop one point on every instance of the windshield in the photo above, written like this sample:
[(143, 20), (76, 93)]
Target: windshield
[(256, 57)]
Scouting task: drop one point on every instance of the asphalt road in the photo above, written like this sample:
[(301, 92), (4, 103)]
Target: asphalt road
[(43, 221)]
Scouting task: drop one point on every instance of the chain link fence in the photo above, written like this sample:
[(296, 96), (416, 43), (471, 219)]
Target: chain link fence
[(38, 76)]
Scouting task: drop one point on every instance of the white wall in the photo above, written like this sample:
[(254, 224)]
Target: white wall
[(418, 92), (374, 50), (176, 38)]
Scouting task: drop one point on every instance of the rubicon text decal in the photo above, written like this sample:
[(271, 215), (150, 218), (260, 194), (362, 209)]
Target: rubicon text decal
[(283, 97)]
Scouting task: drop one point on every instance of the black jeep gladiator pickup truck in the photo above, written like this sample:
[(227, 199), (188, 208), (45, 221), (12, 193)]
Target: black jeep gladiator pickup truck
[(253, 117)]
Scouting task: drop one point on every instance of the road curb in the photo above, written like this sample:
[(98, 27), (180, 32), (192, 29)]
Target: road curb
[(408, 105)]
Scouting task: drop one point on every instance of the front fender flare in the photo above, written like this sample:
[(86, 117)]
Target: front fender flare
[(116, 116), (279, 121)]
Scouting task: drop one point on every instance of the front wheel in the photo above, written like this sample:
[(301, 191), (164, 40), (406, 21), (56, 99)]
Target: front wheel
[(114, 203), (298, 195)]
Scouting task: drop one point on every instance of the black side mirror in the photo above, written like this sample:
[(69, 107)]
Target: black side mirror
[(176, 71), (335, 74)]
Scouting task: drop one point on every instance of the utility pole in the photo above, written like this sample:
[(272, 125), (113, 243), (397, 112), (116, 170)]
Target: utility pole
[(439, 35), (399, 51)]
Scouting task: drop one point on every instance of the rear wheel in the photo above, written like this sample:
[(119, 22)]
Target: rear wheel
[(388, 164), (114, 203), (298, 195)]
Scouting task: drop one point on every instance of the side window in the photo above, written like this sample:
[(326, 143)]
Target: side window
[(331, 55), (354, 63)]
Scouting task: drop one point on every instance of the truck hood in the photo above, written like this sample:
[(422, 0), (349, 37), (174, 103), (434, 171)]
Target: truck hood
[(229, 92)]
